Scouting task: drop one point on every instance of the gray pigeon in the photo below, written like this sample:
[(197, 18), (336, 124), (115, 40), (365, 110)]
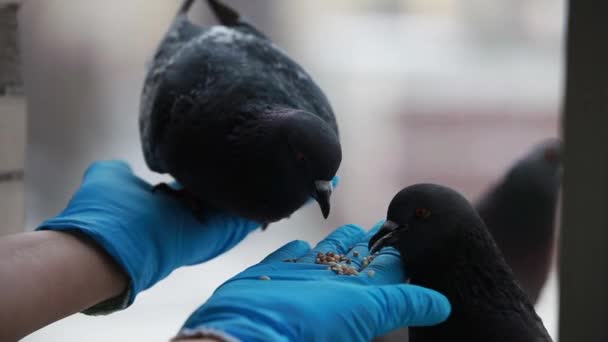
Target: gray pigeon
[(520, 211), (240, 125), (445, 245)]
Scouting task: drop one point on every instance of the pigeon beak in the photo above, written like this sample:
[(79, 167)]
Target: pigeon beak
[(386, 236), (322, 194)]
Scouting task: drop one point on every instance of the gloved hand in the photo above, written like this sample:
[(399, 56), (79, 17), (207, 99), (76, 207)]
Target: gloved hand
[(148, 233), (304, 301)]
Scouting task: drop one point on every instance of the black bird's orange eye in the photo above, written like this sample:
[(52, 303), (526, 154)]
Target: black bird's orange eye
[(422, 213), (300, 156)]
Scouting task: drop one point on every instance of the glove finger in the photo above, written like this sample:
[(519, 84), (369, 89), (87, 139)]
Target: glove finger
[(405, 305), (360, 251), (104, 169), (230, 221), (339, 241), (291, 250), (220, 230), (385, 268)]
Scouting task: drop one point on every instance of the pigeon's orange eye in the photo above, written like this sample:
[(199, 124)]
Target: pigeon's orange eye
[(422, 213), (300, 156)]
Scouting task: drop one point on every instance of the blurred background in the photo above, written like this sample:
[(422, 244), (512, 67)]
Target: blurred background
[(447, 91)]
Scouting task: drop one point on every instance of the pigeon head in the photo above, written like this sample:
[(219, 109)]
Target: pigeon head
[(539, 171), (426, 222), (314, 155)]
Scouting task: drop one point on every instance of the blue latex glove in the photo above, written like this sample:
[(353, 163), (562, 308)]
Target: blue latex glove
[(148, 233), (304, 301)]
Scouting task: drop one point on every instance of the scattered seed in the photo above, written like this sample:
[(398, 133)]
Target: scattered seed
[(351, 271), (264, 277), (340, 263)]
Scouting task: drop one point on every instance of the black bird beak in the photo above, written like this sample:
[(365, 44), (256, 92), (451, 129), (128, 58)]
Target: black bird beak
[(386, 236), (322, 194)]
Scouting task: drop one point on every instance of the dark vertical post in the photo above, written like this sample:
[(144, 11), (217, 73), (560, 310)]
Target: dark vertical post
[(584, 237)]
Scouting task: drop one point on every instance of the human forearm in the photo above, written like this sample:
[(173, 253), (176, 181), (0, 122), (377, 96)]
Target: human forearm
[(49, 275)]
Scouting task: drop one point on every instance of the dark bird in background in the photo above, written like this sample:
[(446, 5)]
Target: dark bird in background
[(445, 245), (240, 125), (519, 212)]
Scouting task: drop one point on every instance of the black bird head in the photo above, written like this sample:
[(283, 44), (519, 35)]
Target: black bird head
[(538, 173), (425, 221), (526, 198), (314, 154)]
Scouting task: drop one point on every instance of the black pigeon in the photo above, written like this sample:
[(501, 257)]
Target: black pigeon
[(519, 212), (444, 245), (236, 122)]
